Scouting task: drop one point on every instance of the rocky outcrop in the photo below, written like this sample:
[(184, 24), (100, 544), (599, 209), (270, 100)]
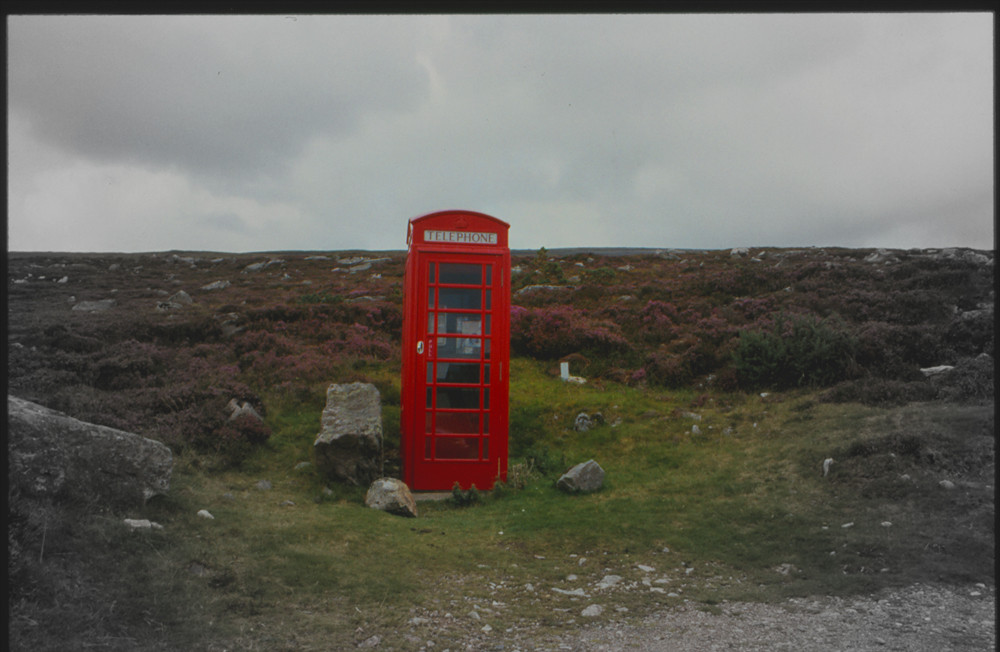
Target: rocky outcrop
[(391, 495), (583, 478), (349, 443), (53, 455)]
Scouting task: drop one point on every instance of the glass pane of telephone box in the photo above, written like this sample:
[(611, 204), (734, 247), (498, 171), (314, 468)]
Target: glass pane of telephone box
[(463, 398), (457, 448), (460, 298), (457, 423), (458, 323), (457, 372), (458, 347), (461, 274)]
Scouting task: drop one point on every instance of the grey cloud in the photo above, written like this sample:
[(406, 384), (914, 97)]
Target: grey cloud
[(217, 94)]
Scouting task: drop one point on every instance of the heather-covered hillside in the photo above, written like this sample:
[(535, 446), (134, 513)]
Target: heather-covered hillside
[(158, 343)]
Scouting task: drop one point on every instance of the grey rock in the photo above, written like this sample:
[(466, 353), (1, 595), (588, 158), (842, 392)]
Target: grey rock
[(216, 285), (182, 298), (53, 455), (349, 443), (583, 422), (95, 306), (583, 478), (391, 495), (238, 410)]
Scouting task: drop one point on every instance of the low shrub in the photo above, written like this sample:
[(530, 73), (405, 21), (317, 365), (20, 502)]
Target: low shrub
[(796, 351)]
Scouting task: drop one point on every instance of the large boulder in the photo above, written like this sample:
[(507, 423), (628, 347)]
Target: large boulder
[(583, 478), (53, 455), (391, 495), (349, 443)]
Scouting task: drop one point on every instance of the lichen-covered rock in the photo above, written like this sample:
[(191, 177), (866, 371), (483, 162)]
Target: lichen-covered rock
[(53, 455), (350, 439)]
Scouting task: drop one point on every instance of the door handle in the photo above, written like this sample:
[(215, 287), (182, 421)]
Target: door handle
[(420, 347)]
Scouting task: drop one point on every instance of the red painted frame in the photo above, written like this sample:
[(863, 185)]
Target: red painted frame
[(455, 237)]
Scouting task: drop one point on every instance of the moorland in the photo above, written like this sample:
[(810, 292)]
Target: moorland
[(724, 379)]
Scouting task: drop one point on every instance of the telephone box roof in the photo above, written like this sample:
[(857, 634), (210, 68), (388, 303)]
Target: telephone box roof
[(458, 227)]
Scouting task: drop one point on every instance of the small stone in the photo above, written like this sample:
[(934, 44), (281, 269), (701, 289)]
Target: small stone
[(204, 513), (486, 629), (646, 569), (217, 285), (575, 592), (609, 581), (584, 477), (264, 485), (946, 484), (847, 525), (370, 642), (886, 523), (393, 496), (592, 611)]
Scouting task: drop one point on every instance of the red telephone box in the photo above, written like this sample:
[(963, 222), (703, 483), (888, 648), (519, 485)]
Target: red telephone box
[(456, 351)]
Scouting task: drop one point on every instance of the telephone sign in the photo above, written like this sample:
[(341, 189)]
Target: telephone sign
[(456, 351)]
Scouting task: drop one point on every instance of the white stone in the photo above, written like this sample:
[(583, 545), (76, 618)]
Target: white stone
[(592, 611), (579, 593), (609, 581), (204, 513), (934, 371)]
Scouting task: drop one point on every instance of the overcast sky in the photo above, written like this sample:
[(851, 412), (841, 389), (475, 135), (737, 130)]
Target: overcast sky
[(230, 133)]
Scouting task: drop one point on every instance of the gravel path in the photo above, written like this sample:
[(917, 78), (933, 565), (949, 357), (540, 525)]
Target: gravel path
[(919, 618)]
